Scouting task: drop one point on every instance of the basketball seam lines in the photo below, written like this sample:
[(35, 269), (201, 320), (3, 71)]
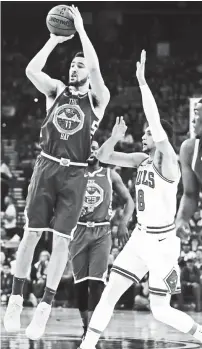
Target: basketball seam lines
[(55, 14), (61, 28)]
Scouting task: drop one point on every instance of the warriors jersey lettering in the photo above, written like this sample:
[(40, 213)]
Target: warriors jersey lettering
[(97, 205), (197, 160), (68, 127), (155, 196)]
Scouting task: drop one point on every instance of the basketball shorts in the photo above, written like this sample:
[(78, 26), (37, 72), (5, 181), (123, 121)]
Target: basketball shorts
[(55, 191), (89, 252), (156, 253)]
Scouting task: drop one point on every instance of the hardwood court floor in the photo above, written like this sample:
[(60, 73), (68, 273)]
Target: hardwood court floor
[(127, 330)]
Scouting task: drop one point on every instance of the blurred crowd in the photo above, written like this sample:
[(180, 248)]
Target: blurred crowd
[(172, 79)]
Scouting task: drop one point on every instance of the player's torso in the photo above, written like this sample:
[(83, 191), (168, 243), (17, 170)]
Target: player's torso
[(197, 160), (68, 127), (97, 205), (155, 197)]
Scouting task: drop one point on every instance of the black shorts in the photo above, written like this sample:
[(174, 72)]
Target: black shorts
[(89, 252), (55, 191)]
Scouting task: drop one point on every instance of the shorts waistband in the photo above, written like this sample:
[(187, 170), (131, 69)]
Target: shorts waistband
[(93, 224), (63, 161), (157, 230)]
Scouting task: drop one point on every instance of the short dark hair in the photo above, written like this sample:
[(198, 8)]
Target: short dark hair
[(78, 54), (167, 128)]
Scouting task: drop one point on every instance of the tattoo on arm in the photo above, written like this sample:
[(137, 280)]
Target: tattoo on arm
[(160, 161)]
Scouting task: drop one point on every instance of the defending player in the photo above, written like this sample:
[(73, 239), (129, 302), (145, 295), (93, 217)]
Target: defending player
[(191, 164), (153, 246), (58, 183), (91, 242)]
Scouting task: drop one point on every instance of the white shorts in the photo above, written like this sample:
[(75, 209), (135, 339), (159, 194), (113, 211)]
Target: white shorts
[(154, 253)]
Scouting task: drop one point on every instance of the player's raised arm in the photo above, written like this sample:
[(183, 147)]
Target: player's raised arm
[(42, 81), (129, 206), (171, 170), (189, 201), (99, 89), (106, 153)]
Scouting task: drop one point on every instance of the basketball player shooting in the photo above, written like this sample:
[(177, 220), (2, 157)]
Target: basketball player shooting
[(58, 183), (191, 165), (153, 246), (91, 245)]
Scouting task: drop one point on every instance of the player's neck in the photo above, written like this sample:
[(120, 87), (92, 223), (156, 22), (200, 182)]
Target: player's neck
[(93, 168), (151, 153), (82, 89)]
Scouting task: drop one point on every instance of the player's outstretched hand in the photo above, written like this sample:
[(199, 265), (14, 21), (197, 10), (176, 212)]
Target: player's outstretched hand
[(140, 68), (119, 129), (183, 230), (122, 233), (60, 39), (78, 21)]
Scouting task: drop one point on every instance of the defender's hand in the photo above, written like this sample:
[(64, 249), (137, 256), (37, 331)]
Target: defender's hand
[(122, 233), (60, 39), (140, 71), (119, 129), (78, 20), (183, 229)]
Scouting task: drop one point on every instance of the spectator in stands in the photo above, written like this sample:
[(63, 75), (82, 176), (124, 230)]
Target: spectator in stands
[(198, 261), (2, 259), (10, 218), (190, 284), (6, 176), (6, 283), (39, 274), (186, 252)]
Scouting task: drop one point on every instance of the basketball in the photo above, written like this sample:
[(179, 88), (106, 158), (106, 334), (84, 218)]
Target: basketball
[(60, 21)]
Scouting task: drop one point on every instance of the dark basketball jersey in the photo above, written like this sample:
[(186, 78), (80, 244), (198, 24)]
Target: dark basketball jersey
[(197, 160), (68, 127), (97, 205)]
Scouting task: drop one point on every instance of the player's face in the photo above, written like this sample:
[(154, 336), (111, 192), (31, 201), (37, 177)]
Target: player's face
[(147, 141), (197, 122), (92, 160), (78, 73)]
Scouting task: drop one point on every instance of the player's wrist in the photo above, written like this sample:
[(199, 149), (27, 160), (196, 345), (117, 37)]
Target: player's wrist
[(142, 83), (81, 31)]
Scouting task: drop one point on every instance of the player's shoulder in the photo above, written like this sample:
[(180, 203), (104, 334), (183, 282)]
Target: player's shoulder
[(187, 147), (187, 151)]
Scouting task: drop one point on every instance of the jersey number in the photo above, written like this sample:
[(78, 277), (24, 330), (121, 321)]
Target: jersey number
[(140, 199)]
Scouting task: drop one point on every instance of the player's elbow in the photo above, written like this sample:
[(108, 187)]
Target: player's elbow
[(28, 72)]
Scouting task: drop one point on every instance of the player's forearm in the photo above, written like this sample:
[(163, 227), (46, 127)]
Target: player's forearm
[(128, 210), (106, 149), (188, 206), (89, 51), (39, 61), (152, 113)]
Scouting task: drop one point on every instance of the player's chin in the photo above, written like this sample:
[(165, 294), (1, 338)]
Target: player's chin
[(92, 161), (73, 81)]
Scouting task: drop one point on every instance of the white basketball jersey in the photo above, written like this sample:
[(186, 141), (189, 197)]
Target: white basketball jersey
[(155, 196)]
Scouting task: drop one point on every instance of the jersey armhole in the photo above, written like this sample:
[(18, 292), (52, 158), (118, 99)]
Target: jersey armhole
[(98, 116), (55, 100)]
